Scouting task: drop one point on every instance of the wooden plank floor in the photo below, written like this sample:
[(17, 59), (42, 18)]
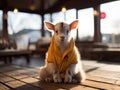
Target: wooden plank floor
[(22, 76)]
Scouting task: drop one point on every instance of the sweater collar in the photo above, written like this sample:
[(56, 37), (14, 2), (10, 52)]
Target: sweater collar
[(67, 50)]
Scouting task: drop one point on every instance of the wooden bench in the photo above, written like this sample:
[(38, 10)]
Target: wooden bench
[(112, 54), (15, 53)]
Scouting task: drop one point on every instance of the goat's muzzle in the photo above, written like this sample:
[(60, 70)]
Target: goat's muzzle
[(62, 38)]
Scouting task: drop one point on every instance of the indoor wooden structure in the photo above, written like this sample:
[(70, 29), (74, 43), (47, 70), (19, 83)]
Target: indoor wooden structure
[(49, 6), (22, 75), (42, 7)]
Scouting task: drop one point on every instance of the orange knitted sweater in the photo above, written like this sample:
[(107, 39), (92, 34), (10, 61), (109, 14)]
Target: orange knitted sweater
[(62, 61)]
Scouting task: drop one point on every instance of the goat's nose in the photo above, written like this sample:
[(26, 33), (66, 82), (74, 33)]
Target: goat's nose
[(62, 37)]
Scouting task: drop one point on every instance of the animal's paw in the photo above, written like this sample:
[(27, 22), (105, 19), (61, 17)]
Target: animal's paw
[(49, 79), (75, 81), (68, 77), (57, 78), (83, 78)]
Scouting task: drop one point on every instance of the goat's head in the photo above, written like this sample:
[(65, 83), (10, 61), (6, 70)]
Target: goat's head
[(62, 30)]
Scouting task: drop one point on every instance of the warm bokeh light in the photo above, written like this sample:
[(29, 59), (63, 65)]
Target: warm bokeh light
[(96, 12), (63, 9), (32, 7), (15, 10)]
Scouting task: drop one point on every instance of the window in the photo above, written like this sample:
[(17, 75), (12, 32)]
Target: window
[(67, 16), (71, 16), (86, 24), (24, 27), (47, 17), (1, 21), (110, 24), (57, 17), (85, 16)]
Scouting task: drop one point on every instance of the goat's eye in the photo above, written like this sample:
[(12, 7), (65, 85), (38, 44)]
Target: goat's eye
[(56, 32), (67, 31)]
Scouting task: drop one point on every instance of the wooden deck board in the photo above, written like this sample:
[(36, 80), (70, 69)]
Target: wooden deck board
[(104, 80), (101, 85), (18, 77), (75, 87), (3, 87)]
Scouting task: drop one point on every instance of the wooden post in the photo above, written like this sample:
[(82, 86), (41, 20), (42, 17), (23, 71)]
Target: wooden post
[(97, 32), (5, 25), (77, 39), (51, 20), (42, 29), (42, 19)]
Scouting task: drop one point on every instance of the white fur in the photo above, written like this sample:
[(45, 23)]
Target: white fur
[(75, 72)]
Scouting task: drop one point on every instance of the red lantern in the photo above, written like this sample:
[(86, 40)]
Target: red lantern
[(102, 15)]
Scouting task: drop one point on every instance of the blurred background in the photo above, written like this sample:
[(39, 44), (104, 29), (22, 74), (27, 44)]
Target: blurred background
[(21, 22)]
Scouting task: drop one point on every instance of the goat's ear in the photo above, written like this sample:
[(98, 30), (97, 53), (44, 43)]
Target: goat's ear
[(49, 25), (74, 24)]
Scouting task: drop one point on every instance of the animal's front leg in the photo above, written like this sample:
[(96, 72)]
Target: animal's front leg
[(68, 76), (56, 77), (74, 74), (71, 72), (52, 69)]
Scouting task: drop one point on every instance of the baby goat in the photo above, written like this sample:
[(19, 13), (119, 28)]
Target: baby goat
[(62, 59)]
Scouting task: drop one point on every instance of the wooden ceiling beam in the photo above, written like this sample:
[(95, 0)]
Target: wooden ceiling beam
[(78, 4), (55, 7), (69, 4)]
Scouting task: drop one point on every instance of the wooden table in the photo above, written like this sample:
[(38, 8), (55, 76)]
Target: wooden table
[(15, 53), (112, 54)]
